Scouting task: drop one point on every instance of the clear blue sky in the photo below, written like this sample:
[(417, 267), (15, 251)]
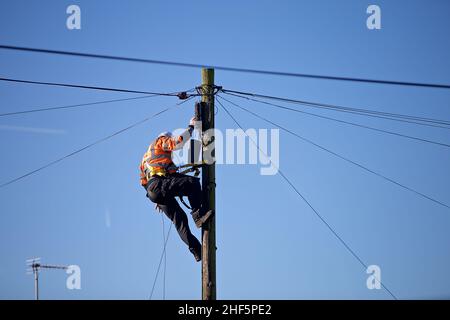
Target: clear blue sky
[(90, 210)]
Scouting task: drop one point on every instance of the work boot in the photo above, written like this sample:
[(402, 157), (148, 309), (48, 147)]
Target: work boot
[(197, 254), (200, 218)]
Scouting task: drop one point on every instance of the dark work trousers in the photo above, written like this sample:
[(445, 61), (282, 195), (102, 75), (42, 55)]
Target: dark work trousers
[(163, 190)]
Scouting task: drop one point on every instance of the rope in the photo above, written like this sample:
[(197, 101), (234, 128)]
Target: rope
[(160, 261), (165, 257)]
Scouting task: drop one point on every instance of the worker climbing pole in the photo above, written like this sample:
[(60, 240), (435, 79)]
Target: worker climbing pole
[(208, 187)]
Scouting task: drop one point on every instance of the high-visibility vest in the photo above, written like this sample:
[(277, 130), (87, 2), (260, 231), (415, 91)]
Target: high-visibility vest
[(158, 158)]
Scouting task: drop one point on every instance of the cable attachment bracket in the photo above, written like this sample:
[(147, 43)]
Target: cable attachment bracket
[(201, 90)]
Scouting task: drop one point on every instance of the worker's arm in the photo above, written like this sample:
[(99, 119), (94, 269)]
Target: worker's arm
[(178, 142)]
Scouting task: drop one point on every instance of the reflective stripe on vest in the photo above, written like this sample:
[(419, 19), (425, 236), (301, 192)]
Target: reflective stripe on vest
[(167, 166), (160, 156), (160, 163)]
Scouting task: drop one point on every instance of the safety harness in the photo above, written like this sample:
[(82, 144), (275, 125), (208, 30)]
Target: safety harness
[(190, 167)]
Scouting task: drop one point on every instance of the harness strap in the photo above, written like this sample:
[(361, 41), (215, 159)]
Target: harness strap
[(183, 202)]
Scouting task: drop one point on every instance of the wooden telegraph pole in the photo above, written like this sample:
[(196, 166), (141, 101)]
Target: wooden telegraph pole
[(209, 189)]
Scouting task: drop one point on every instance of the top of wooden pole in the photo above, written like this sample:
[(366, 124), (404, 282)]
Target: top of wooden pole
[(207, 76)]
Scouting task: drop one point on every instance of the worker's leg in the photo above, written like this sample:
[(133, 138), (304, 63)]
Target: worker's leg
[(176, 214), (184, 185), (157, 194)]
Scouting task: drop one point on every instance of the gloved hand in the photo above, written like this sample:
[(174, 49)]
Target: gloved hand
[(192, 122)]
